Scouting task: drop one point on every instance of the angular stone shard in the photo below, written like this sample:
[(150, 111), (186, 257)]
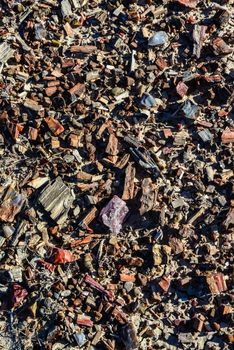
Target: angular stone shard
[(149, 196), (56, 199), (6, 52), (11, 206), (159, 38)]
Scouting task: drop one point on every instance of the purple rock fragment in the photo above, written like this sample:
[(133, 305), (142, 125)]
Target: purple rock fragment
[(114, 213)]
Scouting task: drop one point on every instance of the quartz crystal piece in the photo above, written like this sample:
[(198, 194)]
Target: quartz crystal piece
[(66, 8), (159, 38), (148, 101), (40, 31), (190, 109), (205, 135), (114, 213)]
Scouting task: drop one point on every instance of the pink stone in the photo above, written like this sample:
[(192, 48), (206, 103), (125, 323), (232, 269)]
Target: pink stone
[(181, 88), (114, 213)]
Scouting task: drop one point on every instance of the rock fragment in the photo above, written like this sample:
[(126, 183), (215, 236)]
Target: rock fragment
[(56, 199)]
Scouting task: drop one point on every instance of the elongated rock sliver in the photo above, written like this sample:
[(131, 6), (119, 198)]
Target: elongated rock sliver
[(96, 285), (83, 49), (198, 38), (128, 192)]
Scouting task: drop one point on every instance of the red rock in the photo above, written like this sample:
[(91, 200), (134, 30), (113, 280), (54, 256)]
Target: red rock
[(62, 256), (191, 19), (161, 63), (204, 123), (96, 285), (18, 294), (47, 265), (181, 88), (112, 146), (119, 315), (165, 283), (10, 207), (189, 3), (220, 47), (84, 322)]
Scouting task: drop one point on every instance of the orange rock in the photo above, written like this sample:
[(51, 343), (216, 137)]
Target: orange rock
[(216, 283), (32, 133), (127, 278), (112, 287), (226, 309), (135, 261), (222, 113), (198, 323), (50, 90), (167, 133), (227, 136), (230, 338), (165, 283), (83, 49), (55, 143), (216, 326), (74, 140), (14, 129), (53, 83), (161, 63), (68, 29), (83, 241), (54, 125), (78, 89)]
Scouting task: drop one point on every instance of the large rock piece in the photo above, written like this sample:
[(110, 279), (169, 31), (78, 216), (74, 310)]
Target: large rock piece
[(56, 199)]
